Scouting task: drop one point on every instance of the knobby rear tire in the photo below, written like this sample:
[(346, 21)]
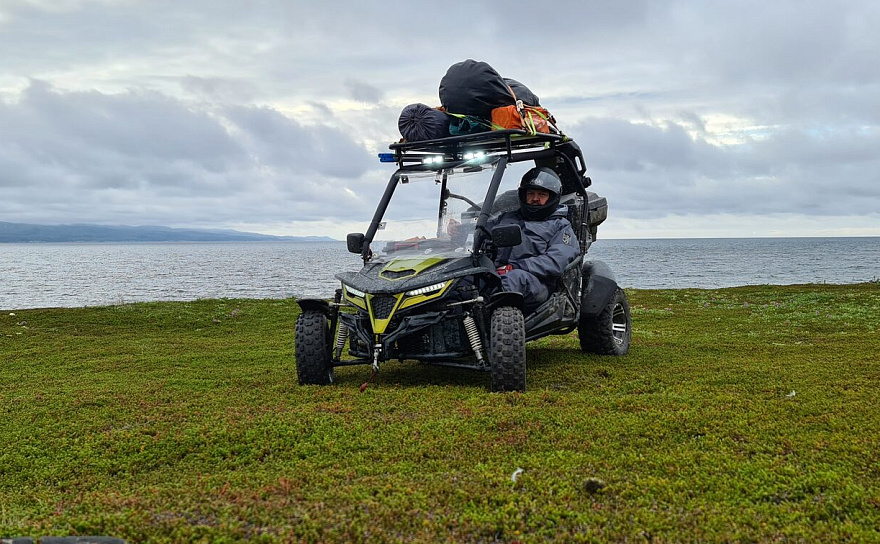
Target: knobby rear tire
[(610, 332)]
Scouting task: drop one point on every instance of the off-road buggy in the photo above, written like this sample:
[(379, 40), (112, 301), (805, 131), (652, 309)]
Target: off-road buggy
[(429, 291)]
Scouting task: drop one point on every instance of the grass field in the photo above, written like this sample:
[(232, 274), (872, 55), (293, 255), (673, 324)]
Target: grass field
[(745, 414)]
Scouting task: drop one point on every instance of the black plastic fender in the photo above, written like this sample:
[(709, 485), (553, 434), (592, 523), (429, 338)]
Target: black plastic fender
[(315, 304), (505, 298), (599, 285)]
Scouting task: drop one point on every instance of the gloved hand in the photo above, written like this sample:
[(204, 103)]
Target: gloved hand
[(501, 270)]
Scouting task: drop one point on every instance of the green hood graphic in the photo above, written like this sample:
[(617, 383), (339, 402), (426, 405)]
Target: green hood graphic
[(407, 267)]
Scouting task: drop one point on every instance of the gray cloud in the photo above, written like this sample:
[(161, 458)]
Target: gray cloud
[(146, 157), (660, 170), (154, 112), (283, 143), (217, 89), (363, 92)]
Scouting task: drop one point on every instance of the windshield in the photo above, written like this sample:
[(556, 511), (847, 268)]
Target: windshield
[(435, 212)]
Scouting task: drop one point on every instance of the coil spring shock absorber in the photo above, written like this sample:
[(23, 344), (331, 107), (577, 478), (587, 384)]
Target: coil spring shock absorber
[(341, 334), (473, 334)]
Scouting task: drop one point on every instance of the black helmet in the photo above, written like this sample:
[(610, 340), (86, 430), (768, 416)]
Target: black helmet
[(539, 177)]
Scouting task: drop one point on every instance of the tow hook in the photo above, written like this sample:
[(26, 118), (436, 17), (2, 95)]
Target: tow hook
[(377, 351)]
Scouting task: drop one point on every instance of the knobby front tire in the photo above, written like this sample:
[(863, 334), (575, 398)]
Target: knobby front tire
[(312, 349), (507, 350)]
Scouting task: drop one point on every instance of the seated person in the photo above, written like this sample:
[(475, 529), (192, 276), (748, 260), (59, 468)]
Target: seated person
[(549, 243)]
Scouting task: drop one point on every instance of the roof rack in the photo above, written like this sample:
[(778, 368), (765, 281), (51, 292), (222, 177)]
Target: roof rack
[(461, 148)]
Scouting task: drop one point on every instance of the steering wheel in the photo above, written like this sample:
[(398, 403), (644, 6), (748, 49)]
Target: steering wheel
[(474, 205)]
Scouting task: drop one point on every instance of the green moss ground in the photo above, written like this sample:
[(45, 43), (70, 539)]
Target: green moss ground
[(745, 414)]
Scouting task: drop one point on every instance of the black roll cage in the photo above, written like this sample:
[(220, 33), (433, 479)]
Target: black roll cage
[(499, 146)]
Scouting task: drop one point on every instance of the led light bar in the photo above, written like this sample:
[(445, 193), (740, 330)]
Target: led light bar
[(426, 290), (354, 292)]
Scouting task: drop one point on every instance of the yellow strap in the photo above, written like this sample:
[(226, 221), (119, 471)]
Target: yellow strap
[(528, 111)]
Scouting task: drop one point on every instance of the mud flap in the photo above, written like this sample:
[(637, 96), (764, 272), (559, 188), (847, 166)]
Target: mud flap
[(505, 298), (599, 285), (315, 304)]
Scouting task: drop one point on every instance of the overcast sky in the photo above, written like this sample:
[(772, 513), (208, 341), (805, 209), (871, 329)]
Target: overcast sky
[(735, 118)]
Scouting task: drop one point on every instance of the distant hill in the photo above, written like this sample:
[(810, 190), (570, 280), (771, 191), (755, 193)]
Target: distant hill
[(24, 232)]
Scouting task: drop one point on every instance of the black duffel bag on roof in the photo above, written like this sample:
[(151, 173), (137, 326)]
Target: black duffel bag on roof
[(419, 122), (522, 92), (473, 87)]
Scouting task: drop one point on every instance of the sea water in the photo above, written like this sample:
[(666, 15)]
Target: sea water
[(71, 275)]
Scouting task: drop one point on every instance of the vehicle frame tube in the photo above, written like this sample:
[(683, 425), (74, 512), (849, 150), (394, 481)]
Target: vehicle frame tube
[(380, 212), (480, 229)]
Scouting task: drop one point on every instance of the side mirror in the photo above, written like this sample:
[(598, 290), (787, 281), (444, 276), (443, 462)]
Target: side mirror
[(355, 242), (507, 236), (587, 181)]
